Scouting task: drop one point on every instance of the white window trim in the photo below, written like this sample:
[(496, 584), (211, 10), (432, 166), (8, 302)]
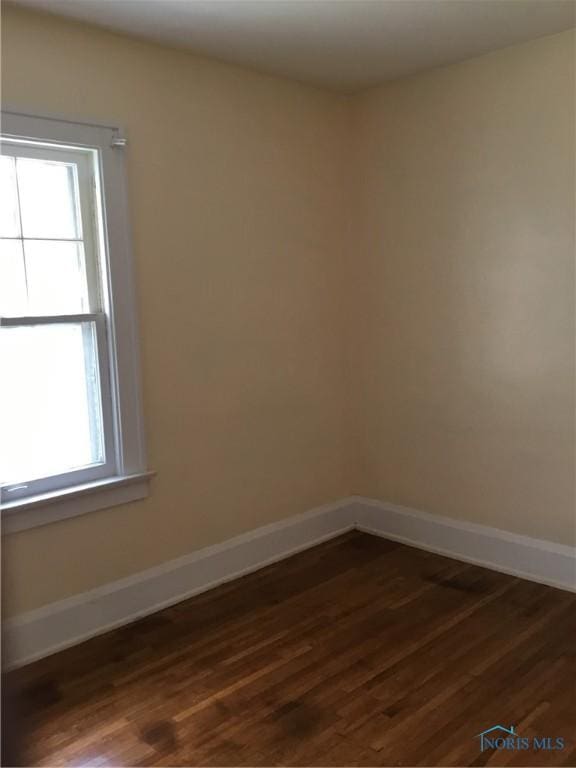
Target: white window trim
[(131, 479)]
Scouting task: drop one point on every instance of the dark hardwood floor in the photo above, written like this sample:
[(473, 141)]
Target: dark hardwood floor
[(357, 652)]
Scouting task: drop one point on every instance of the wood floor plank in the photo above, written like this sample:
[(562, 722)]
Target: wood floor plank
[(359, 651)]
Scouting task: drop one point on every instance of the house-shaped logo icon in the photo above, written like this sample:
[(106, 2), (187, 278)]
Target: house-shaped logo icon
[(489, 737)]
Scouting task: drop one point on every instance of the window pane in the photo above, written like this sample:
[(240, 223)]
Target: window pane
[(48, 198), (56, 277), (12, 278), (50, 412), (9, 219)]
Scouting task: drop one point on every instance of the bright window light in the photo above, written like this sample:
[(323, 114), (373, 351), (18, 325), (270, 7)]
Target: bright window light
[(49, 401)]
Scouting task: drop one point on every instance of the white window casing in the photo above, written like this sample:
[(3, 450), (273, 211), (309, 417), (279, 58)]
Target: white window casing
[(110, 324)]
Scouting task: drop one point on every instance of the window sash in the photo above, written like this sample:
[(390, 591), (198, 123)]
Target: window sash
[(109, 467), (86, 162)]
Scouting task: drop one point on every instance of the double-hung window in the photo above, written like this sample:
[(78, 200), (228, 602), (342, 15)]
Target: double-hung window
[(70, 414)]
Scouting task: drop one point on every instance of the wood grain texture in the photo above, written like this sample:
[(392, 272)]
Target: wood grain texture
[(360, 651)]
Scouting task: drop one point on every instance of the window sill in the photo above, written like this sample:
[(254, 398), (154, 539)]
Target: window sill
[(70, 502)]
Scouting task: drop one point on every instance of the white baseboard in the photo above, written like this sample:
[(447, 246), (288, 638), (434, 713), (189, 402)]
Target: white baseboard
[(64, 623), (532, 559), (67, 622)]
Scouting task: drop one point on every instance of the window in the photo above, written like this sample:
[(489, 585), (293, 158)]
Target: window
[(70, 411)]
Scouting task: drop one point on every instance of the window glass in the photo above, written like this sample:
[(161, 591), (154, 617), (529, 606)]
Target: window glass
[(48, 193), (43, 270), (50, 408), (9, 216), (13, 294), (56, 277)]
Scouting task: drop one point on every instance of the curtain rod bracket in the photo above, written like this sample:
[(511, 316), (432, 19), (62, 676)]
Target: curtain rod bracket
[(118, 140)]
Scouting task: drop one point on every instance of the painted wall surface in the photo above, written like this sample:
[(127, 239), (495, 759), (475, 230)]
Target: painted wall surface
[(368, 294), (465, 343), (236, 196)]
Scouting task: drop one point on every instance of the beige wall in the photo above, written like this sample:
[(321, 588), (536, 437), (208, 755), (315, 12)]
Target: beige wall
[(337, 295), (236, 193), (465, 343)]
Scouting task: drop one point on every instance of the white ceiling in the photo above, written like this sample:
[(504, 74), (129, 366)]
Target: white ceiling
[(344, 44)]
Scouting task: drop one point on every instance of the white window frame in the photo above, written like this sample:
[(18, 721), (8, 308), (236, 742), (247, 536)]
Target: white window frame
[(124, 476)]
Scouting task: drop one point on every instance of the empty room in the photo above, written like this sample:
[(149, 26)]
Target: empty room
[(287, 383)]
